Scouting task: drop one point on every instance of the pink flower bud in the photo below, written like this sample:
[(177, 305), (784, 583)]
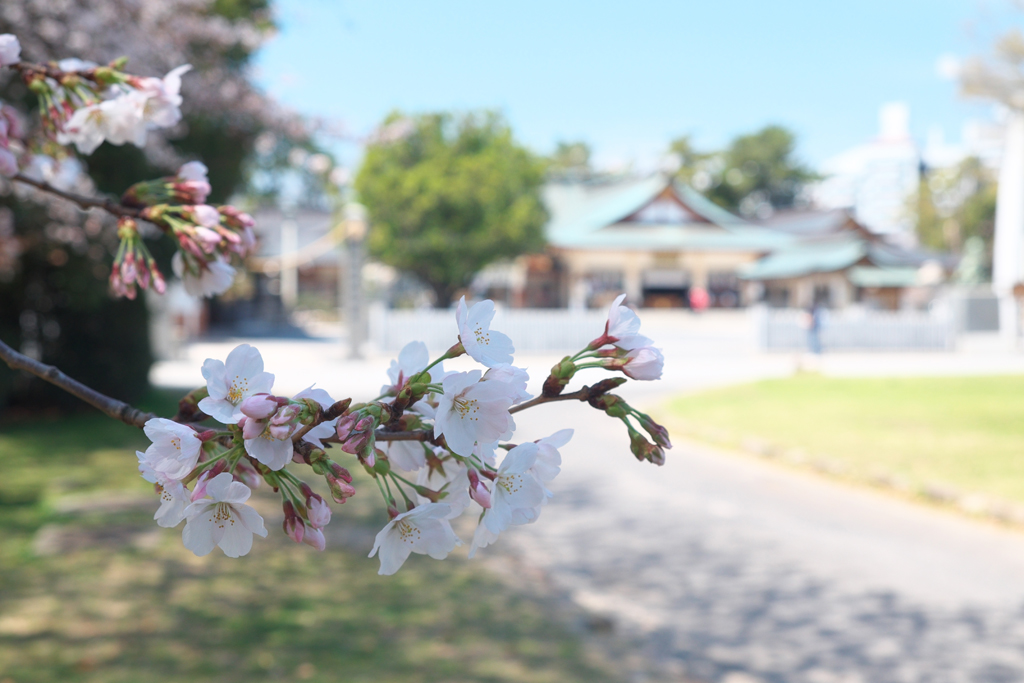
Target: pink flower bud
[(206, 215), (193, 191), (258, 406), (208, 239), (356, 443), (294, 528), (340, 472), (252, 429), (340, 489), (159, 283), (293, 525), (281, 432), (286, 415), (318, 511), (247, 474), (364, 424), (345, 426), (315, 538), (480, 494)]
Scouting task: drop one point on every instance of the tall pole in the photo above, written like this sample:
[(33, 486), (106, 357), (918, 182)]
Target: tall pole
[(289, 269), (355, 232), (1008, 249)]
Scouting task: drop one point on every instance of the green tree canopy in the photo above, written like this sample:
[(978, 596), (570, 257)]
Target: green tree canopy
[(756, 174), (451, 196), (571, 161), (955, 204)]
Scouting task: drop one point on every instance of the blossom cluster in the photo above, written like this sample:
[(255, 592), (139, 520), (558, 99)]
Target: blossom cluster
[(85, 104), (435, 442)]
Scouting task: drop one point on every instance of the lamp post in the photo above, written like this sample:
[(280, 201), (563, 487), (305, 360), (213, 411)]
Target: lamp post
[(351, 266)]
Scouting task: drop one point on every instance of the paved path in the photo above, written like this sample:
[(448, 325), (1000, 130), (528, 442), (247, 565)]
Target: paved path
[(730, 569), (741, 571)]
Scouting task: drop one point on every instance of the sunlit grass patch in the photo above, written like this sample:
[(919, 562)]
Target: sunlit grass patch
[(966, 433)]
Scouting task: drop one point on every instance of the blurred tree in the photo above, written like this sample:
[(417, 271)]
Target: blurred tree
[(53, 281), (693, 165), (754, 176), (571, 161), (955, 204), (451, 195), (760, 173)]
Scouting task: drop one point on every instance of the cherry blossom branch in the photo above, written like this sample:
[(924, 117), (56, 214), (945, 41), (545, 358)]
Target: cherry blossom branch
[(84, 202), (111, 407), (585, 393)]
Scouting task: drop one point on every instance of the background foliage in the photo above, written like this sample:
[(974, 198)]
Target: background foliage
[(451, 196)]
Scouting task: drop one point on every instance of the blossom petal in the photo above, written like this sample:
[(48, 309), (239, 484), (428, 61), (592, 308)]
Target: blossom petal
[(271, 452), (393, 554), (198, 535), (252, 520), (221, 410), (236, 539)]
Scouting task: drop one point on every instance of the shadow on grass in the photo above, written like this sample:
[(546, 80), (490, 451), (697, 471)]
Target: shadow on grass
[(92, 590)]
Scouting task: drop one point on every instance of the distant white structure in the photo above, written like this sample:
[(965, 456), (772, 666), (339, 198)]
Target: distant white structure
[(876, 179)]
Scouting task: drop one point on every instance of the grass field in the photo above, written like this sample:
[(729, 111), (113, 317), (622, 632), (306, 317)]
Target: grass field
[(964, 433), (93, 591)]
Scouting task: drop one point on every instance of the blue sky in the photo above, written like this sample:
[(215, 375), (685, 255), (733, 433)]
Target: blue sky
[(627, 77)]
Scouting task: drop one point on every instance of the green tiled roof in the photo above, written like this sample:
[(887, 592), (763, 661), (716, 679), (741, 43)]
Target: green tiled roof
[(870, 276), (804, 259), (589, 217)]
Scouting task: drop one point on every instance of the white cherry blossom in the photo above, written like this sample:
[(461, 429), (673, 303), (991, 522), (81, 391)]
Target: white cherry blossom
[(174, 497), (175, 448), (273, 452), (486, 346), (549, 460), (222, 519), (194, 171), (424, 530), (453, 481), (10, 49), (515, 377), (482, 537), (411, 360), (322, 431), (231, 382), (163, 98), (207, 279), (470, 410), (407, 456), (624, 326), (644, 363), (516, 492)]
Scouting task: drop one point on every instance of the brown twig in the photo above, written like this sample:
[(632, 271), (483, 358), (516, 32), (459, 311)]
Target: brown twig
[(84, 202), (581, 395), (418, 435), (109, 406)]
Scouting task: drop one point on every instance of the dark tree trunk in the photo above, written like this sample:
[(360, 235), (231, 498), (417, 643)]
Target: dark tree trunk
[(443, 293)]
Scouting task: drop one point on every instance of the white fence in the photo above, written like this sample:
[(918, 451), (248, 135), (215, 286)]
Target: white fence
[(785, 330), (532, 330)]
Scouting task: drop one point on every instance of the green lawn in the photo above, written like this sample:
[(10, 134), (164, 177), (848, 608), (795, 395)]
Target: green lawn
[(93, 593), (966, 433)]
